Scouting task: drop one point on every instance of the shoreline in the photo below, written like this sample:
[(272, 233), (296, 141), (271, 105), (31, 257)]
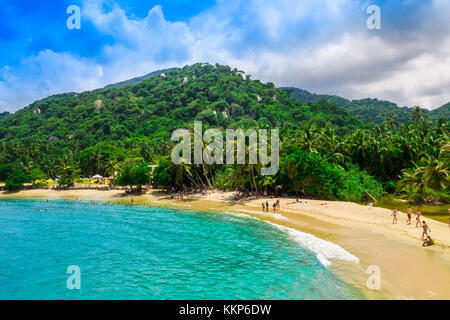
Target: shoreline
[(408, 271)]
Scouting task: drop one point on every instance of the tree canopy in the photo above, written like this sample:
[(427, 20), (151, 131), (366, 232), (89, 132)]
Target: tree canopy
[(326, 150)]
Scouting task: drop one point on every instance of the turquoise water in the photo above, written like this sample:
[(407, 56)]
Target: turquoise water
[(153, 253)]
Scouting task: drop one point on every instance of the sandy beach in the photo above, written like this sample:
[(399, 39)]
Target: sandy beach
[(408, 271)]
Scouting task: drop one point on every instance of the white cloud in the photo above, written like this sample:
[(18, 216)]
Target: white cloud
[(318, 45), (46, 74)]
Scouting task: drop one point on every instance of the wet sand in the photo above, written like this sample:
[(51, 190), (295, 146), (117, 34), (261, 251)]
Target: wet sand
[(408, 271)]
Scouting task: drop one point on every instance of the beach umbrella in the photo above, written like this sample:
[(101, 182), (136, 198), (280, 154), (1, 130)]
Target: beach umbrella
[(97, 176), (49, 181)]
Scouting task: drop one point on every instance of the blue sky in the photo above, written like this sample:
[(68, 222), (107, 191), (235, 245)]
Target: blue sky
[(320, 45)]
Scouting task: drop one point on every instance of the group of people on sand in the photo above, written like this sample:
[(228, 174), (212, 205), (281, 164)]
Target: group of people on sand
[(420, 223), (241, 194), (179, 194), (298, 201), (275, 205)]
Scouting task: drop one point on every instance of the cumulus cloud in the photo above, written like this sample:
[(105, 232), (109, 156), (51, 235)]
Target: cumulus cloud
[(45, 74), (318, 45)]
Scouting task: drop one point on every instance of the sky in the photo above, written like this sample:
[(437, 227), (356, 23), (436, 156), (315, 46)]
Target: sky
[(323, 46)]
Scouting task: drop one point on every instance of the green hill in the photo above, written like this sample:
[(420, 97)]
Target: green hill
[(136, 80), (3, 114), (442, 112), (326, 151), (369, 110), (130, 117)]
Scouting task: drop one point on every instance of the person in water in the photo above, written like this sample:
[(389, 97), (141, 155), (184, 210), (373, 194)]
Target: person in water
[(409, 214), (395, 215), (418, 215), (425, 230), (263, 206), (428, 242)]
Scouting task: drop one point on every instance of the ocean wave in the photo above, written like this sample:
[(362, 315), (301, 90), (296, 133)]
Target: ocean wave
[(267, 214), (324, 250)]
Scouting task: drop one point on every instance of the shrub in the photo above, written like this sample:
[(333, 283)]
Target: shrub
[(15, 180)]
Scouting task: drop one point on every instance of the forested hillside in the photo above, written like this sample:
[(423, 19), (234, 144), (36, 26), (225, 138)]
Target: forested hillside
[(442, 112), (144, 115), (136, 80), (326, 151), (370, 110)]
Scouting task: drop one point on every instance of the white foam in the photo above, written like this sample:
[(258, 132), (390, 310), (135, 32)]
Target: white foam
[(241, 215), (324, 250), (272, 215)]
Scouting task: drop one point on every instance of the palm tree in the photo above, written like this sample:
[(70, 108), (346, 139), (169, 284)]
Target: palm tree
[(435, 174), (69, 173), (268, 181), (392, 120), (417, 114)]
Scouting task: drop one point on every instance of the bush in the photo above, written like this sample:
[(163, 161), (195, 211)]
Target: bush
[(5, 171), (389, 186), (160, 175), (134, 174), (309, 172), (356, 183), (16, 180), (36, 174)]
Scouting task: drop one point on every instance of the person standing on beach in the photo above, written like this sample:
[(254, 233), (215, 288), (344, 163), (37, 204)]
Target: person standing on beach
[(395, 215), (409, 213), (418, 215), (263, 206), (267, 206), (425, 230), (449, 217)]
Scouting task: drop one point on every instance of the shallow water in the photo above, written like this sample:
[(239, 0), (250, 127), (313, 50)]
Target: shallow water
[(154, 253)]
